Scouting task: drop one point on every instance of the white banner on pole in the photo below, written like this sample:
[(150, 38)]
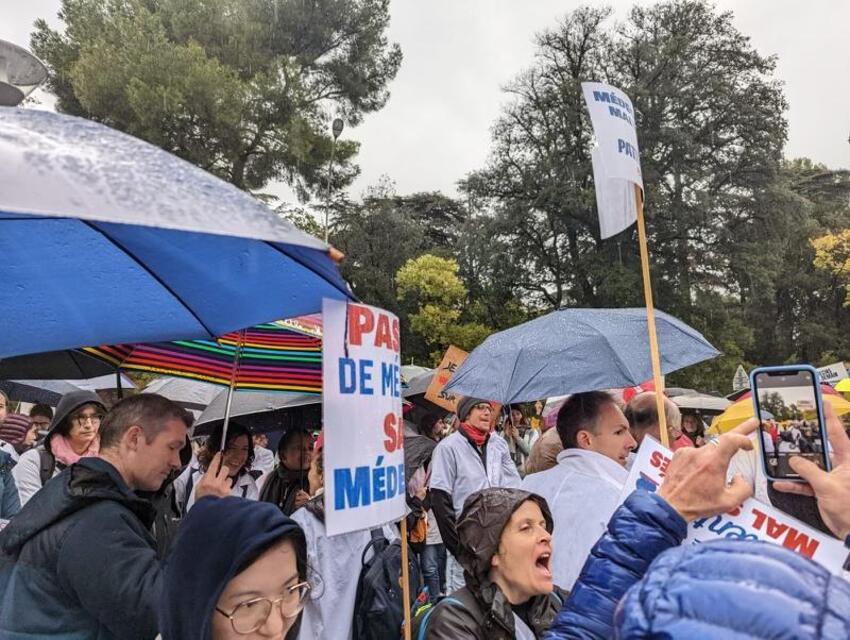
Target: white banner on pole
[(616, 161), (361, 403), (753, 520), (832, 373)]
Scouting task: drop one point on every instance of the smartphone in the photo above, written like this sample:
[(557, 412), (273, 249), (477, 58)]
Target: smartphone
[(788, 402)]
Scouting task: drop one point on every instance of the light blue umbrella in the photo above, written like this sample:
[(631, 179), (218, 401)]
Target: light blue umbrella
[(574, 350), (106, 239)]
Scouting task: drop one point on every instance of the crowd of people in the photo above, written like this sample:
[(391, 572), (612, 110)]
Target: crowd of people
[(117, 525)]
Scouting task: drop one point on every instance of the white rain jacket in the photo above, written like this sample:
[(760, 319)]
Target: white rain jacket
[(329, 611), (583, 491), (457, 469), (244, 487)]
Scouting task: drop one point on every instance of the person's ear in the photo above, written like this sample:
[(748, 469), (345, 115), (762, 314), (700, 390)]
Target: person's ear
[(132, 437), (584, 439)]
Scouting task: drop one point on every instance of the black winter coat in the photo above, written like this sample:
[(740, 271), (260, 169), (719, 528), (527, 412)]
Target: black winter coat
[(79, 562)]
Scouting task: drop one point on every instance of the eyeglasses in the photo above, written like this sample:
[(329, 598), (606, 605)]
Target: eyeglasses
[(94, 419), (251, 615), (483, 406)]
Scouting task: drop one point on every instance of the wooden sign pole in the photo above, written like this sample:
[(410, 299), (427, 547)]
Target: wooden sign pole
[(650, 320), (405, 579)]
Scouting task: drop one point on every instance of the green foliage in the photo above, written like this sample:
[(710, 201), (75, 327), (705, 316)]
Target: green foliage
[(728, 221), (243, 88), (430, 285)]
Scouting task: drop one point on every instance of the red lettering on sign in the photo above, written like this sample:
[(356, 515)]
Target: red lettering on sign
[(775, 529), (383, 338), (360, 321), (801, 543), (393, 429), (760, 518), (396, 339), (659, 461)]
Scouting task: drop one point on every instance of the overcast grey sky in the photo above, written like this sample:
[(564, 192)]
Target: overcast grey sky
[(459, 53)]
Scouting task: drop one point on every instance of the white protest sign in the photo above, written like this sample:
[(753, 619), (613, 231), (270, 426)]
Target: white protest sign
[(616, 161), (832, 373), (753, 520), (741, 380), (361, 403)]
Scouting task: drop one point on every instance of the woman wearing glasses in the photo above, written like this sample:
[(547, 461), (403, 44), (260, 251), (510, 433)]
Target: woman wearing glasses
[(252, 582), (72, 435)]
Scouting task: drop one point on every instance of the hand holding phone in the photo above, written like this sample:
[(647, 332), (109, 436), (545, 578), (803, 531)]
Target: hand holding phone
[(832, 490), (787, 402)]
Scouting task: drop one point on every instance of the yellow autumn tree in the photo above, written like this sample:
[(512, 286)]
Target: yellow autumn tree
[(832, 253)]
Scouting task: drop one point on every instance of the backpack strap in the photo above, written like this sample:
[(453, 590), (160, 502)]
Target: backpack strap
[(377, 540), (423, 625), (47, 465)]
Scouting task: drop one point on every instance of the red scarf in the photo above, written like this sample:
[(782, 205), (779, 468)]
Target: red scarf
[(476, 435)]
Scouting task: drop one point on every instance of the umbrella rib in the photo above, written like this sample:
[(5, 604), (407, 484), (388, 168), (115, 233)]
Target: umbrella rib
[(153, 275)]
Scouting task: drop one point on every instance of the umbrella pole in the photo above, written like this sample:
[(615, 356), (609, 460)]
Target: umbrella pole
[(233, 373), (650, 320), (118, 384)]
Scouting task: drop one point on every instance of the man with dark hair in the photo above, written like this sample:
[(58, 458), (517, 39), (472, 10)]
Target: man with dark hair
[(584, 487), (42, 416), (79, 560)]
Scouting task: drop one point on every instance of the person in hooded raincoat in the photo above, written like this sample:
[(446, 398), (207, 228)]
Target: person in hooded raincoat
[(470, 459), (287, 485), (334, 560), (238, 570), (584, 488), (17, 435), (505, 548), (72, 435), (238, 457)]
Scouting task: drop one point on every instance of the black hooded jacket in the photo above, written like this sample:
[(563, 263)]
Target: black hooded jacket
[(78, 561)]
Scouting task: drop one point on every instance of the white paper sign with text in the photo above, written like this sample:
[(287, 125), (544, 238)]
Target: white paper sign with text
[(753, 520), (616, 161), (361, 403)]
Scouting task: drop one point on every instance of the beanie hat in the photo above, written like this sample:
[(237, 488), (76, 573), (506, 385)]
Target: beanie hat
[(465, 405), (14, 428)]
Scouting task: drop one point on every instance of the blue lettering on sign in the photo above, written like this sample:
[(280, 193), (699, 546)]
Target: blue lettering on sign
[(390, 384), (627, 148), (347, 376), (366, 377), (353, 490), (367, 485), (379, 481), (622, 115), (611, 98)]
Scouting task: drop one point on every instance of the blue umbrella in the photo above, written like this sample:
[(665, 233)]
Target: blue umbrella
[(106, 239), (574, 350)]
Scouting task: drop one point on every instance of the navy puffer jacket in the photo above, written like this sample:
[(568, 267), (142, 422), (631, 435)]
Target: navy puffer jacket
[(735, 589)]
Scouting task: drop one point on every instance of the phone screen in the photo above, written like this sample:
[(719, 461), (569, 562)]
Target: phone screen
[(790, 422)]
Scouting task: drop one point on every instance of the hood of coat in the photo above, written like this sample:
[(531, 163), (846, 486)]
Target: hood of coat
[(69, 403), (217, 539), (88, 481), (479, 528)]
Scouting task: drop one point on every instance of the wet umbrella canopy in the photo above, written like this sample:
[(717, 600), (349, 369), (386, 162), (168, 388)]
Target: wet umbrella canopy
[(574, 350), (114, 240)]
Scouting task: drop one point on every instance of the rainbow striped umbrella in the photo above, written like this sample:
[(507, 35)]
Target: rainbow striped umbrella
[(285, 355)]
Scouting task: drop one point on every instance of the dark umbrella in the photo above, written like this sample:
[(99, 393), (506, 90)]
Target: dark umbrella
[(262, 412), (67, 364)]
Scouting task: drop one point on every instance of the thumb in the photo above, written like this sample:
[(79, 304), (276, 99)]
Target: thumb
[(808, 471)]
